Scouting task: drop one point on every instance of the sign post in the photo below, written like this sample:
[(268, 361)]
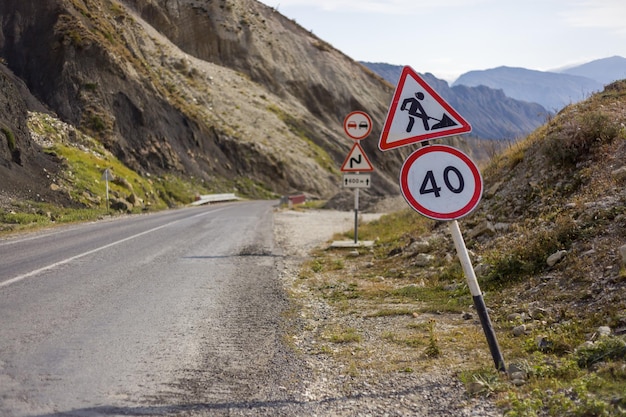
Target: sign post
[(106, 175), (477, 296), (356, 216), (357, 126), (437, 181)]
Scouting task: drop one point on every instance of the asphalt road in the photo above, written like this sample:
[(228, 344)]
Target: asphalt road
[(172, 313)]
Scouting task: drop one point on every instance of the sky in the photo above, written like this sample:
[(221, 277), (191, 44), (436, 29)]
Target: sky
[(450, 37)]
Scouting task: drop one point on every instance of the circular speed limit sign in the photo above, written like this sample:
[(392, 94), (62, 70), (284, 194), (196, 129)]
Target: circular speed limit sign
[(441, 182)]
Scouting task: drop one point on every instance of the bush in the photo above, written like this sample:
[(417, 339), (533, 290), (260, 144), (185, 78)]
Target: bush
[(570, 142), (528, 254), (608, 348)]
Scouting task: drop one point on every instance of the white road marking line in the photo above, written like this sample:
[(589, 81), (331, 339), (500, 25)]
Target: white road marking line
[(73, 258)]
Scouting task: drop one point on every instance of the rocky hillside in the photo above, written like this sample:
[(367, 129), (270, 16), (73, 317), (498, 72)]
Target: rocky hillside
[(492, 114), (227, 93), (548, 245)]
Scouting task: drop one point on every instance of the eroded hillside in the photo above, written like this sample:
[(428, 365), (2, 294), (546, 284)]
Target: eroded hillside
[(225, 92), (548, 245)]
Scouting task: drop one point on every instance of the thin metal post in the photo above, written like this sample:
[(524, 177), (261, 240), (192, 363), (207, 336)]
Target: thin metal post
[(356, 216), (479, 302), (106, 174)]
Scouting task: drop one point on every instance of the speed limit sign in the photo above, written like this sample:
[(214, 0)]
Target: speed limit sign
[(441, 182)]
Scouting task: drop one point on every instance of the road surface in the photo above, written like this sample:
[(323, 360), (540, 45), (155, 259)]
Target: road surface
[(172, 313)]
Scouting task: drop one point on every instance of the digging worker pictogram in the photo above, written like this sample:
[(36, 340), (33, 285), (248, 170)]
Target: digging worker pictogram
[(415, 109)]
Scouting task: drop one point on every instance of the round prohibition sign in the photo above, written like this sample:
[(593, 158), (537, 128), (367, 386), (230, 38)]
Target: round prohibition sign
[(441, 182), (357, 125)]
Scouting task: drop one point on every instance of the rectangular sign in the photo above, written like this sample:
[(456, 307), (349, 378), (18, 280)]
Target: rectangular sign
[(356, 180)]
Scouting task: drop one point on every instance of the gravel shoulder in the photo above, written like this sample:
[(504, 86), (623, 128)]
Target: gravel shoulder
[(361, 377)]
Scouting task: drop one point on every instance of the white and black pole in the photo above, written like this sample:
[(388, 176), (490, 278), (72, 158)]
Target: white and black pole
[(479, 302), (106, 175)]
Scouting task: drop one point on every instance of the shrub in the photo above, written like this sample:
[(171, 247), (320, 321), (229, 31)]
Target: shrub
[(608, 348), (569, 142), (528, 254)]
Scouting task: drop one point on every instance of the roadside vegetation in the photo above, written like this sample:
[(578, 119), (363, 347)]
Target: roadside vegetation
[(547, 246), (81, 177)]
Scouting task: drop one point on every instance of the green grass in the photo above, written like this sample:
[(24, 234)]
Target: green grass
[(10, 137)]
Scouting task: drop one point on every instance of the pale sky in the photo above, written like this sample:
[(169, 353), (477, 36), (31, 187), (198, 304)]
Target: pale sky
[(450, 37)]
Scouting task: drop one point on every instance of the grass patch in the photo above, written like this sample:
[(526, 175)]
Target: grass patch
[(10, 137), (526, 254), (569, 140), (30, 215), (343, 335)]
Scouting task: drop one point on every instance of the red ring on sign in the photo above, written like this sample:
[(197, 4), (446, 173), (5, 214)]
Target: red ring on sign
[(406, 192), (347, 125)]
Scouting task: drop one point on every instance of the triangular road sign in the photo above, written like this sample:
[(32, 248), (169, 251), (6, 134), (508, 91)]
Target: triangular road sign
[(417, 113), (356, 161)]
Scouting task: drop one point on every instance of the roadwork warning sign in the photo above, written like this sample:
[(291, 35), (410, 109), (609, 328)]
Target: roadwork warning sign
[(417, 113)]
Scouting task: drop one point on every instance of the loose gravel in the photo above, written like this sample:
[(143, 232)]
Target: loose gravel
[(336, 385)]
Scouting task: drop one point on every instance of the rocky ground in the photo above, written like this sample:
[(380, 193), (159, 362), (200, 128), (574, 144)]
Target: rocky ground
[(361, 379)]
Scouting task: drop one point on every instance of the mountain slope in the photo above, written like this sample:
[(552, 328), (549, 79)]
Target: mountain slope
[(491, 114), (553, 91), (225, 92), (548, 245), (604, 70)]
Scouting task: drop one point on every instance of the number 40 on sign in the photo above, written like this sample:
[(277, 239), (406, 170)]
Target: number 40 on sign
[(441, 182)]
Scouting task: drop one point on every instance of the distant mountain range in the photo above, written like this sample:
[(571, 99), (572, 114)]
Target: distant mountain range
[(508, 103), (491, 113), (553, 90)]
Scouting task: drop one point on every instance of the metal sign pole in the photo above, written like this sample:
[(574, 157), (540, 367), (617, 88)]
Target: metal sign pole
[(479, 302), (356, 216), (106, 179)]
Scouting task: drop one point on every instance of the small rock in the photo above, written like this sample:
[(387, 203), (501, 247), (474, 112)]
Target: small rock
[(482, 270), (502, 227), (121, 204), (423, 259), (514, 317), (514, 367), (419, 246), (556, 258), (542, 343), (475, 387), (619, 174), (518, 382), (484, 228), (493, 190), (518, 375), (604, 331), (538, 313), (467, 316), (519, 330)]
